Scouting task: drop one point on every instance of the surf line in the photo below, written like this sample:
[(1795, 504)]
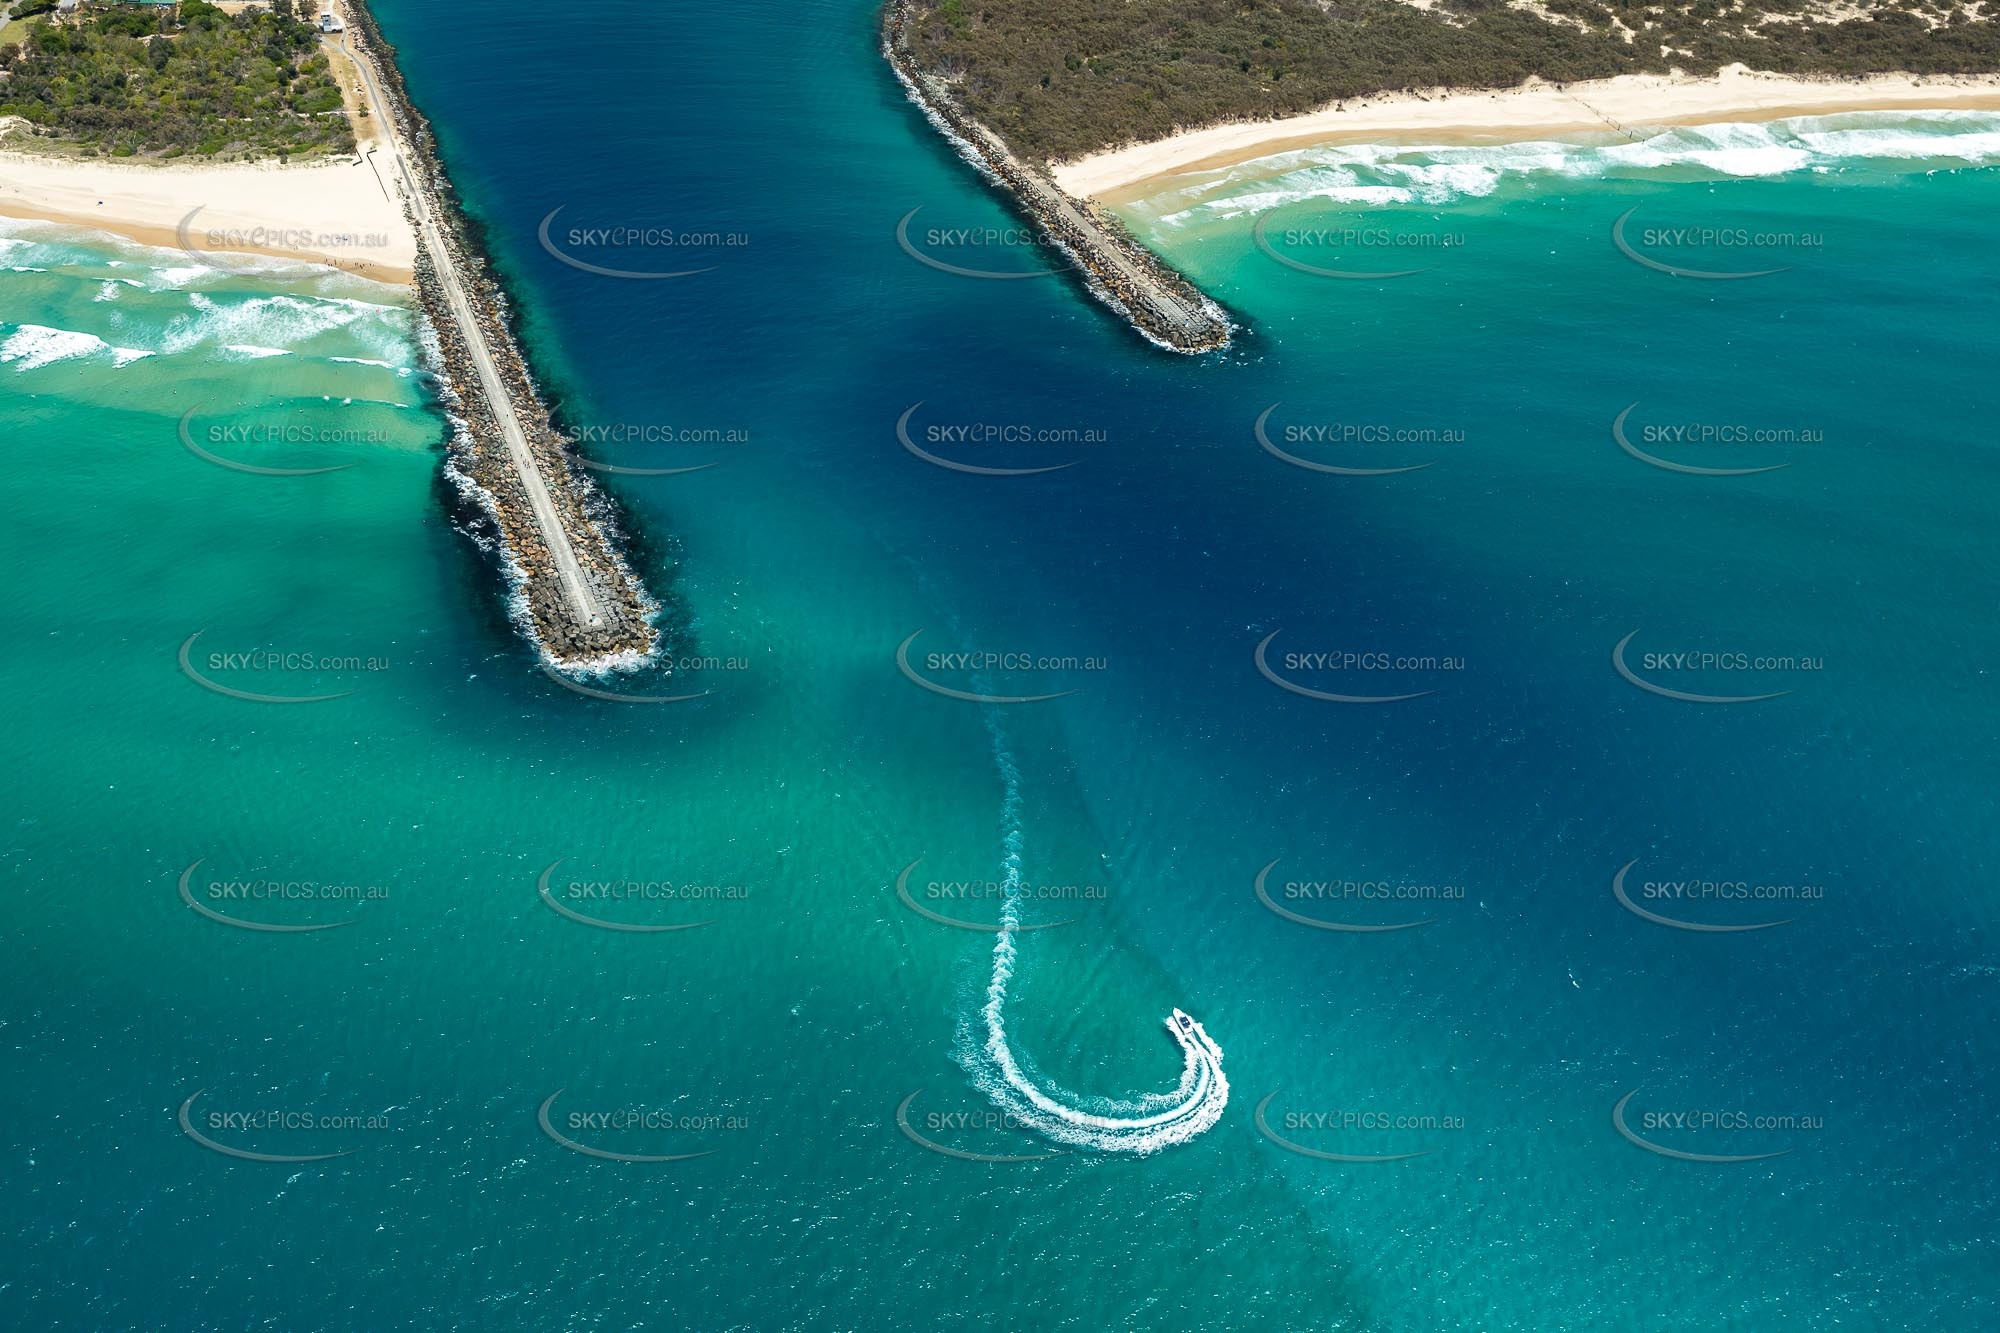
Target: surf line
[(1136, 1125)]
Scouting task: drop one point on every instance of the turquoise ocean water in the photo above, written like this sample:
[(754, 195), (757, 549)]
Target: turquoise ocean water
[(1522, 372)]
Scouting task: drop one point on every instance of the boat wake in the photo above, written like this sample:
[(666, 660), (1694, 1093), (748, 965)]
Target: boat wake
[(1137, 1125)]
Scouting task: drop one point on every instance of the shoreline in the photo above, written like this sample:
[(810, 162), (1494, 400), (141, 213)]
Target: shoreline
[(1623, 105), (389, 213), (1148, 293), (572, 593), (335, 213)]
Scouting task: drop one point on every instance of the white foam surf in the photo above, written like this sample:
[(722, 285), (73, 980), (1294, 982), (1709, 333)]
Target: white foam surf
[(1140, 1125), (278, 322), (32, 346), (1383, 174)]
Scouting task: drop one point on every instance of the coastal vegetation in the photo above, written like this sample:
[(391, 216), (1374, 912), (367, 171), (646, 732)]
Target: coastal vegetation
[(125, 80), (1061, 78)]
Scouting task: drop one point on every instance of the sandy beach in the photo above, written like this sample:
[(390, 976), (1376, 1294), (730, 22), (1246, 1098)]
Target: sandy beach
[(1533, 110), (341, 213)]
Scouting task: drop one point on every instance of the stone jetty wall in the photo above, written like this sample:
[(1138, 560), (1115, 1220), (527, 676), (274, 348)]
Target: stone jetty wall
[(1160, 303), (626, 633)]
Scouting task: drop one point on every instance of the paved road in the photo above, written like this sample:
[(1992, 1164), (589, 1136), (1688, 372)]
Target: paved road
[(554, 535)]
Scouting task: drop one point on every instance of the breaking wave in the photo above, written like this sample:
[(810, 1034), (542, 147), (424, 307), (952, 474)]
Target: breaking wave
[(1381, 174), (1141, 1125), (285, 322), (32, 346)]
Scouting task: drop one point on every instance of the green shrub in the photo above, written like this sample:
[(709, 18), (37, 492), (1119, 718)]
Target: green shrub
[(130, 80), (1059, 78)]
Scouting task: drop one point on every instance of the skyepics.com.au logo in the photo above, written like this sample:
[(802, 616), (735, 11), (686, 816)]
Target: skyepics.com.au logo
[(1308, 671), (276, 904), (1667, 444), (230, 247), (1364, 448), (1708, 666), (678, 672), (636, 250), (1345, 905), (625, 1132), (226, 444), (974, 904), (1350, 250), (269, 667), (674, 450), (1698, 1132), (981, 1134), (1335, 1134), (1708, 252), (637, 904), (974, 674), (996, 448), (1005, 253), (281, 1134), (1709, 906)]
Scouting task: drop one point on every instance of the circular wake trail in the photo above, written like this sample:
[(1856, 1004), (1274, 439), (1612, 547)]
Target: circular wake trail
[(1135, 1125)]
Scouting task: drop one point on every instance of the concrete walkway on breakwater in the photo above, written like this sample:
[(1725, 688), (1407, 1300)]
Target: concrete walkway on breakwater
[(582, 601), (1157, 301)]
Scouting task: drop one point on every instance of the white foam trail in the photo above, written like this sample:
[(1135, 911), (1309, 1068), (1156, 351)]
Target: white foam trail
[(1140, 1125)]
